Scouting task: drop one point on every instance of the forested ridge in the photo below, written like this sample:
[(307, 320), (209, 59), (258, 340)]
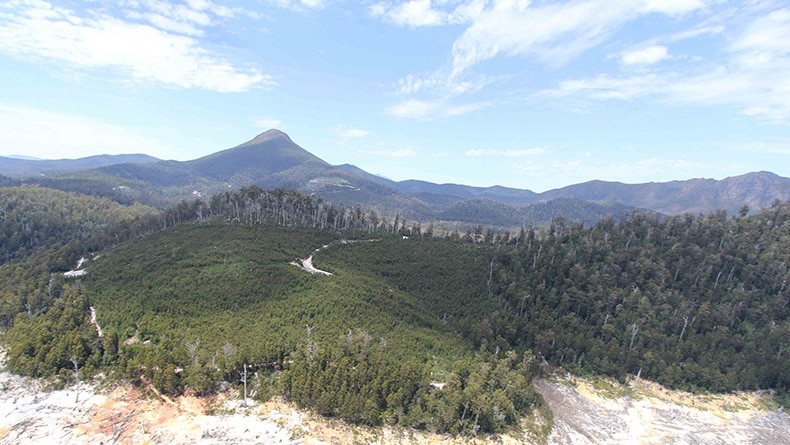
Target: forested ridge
[(696, 302), (34, 217), (204, 293)]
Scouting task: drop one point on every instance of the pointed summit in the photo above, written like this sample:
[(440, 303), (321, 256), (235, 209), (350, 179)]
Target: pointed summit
[(267, 136), (270, 153)]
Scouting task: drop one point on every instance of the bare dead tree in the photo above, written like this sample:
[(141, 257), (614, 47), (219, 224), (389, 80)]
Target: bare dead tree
[(634, 330), (192, 348), (490, 276), (73, 361), (682, 331), (309, 331), (310, 346), (244, 380), (685, 323)]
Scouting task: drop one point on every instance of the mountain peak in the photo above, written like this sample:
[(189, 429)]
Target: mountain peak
[(270, 153), (269, 135)]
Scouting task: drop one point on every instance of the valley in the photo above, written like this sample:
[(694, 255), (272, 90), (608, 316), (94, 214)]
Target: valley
[(382, 325)]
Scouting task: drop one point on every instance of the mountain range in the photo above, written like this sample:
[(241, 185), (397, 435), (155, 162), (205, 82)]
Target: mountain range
[(371, 320), (273, 160)]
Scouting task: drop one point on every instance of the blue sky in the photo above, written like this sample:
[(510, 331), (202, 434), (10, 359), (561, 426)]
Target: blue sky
[(528, 94)]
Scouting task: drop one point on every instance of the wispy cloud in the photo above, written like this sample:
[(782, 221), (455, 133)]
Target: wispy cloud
[(189, 18), (443, 84), (645, 56), (557, 32), (265, 123), (507, 153), (410, 13), (552, 33), (353, 133), (417, 13), (348, 133), (751, 75), (299, 5), (765, 40), (156, 42), (427, 110)]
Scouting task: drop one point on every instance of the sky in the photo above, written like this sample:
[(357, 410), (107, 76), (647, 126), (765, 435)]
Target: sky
[(528, 94)]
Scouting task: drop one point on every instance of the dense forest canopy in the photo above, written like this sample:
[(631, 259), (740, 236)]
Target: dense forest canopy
[(205, 292), (34, 217)]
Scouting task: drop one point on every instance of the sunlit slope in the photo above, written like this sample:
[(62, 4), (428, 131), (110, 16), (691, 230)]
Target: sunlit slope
[(233, 284)]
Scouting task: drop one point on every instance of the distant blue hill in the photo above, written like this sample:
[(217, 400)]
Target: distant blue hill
[(272, 160), (21, 166)]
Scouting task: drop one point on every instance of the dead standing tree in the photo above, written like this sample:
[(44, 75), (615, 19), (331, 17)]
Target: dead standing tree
[(73, 361), (310, 345), (244, 381)]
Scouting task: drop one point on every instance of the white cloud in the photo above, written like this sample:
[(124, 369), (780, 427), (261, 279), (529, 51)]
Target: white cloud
[(265, 123), (413, 108), (645, 56), (697, 31), (52, 135), (607, 87), (552, 32), (348, 133), (765, 40), (187, 18), (299, 5), (410, 13), (507, 153), (421, 109), (441, 83), (164, 51), (417, 13), (671, 7), (751, 75), (353, 133)]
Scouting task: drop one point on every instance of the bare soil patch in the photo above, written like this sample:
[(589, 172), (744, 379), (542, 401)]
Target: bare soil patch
[(644, 412)]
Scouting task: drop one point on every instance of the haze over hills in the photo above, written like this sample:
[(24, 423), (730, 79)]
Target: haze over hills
[(757, 190), (20, 166), (273, 160)]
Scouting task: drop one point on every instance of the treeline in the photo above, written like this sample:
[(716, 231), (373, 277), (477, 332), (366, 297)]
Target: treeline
[(252, 205)]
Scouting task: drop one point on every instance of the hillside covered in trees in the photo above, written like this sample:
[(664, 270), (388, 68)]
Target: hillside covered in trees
[(441, 332)]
